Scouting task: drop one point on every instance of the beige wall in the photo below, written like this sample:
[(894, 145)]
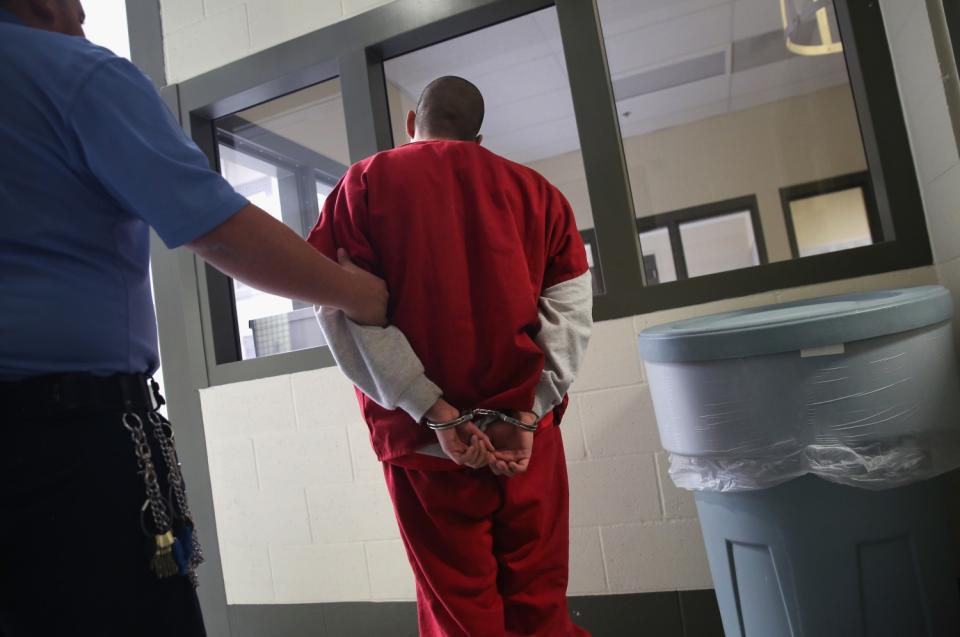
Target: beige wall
[(753, 151)]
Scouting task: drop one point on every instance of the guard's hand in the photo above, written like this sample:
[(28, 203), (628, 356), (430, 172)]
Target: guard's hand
[(369, 294), (465, 444), (514, 446)]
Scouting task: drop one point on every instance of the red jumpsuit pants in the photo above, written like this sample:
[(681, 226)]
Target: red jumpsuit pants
[(490, 554)]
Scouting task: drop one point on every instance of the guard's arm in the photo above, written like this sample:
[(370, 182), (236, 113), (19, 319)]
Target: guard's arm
[(257, 249)]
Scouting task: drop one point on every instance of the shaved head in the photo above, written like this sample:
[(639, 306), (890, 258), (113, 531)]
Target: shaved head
[(450, 107)]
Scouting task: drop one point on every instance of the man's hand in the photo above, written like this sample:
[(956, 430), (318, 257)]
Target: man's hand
[(369, 303), (514, 446), (464, 444)]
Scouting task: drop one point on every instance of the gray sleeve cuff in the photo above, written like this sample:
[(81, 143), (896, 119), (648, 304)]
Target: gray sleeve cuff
[(419, 397), (545, 399)]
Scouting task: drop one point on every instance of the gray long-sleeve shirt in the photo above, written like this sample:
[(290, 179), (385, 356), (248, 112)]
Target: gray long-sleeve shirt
[(382, 364)]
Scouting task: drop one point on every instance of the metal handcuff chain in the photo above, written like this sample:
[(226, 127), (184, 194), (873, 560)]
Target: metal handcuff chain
[(488, 414)]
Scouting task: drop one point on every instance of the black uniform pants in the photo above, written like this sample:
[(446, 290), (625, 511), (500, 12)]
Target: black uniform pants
[(74, 560)]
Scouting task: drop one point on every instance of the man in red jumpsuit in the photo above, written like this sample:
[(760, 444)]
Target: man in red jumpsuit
[(490, 308)]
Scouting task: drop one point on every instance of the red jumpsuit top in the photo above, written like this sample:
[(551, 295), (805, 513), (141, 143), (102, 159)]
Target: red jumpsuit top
[(466, 241)]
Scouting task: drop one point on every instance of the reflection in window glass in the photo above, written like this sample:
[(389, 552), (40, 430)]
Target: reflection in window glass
[(323, 189), (712, 105), (519, 67), (658, 259), (831, 222), (719, 244), (285, 156)]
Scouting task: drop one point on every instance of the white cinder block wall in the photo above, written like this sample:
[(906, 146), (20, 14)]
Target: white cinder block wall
[(302, 512)]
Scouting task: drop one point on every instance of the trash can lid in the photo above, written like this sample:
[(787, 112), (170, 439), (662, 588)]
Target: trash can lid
[(796, 326)]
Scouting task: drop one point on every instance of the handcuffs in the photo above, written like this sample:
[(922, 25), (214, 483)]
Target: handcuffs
[(485, 416)]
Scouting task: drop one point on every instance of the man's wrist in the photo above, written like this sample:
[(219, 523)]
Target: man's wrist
[(442, 411)]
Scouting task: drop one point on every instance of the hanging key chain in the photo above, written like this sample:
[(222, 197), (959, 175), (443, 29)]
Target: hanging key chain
[(162, 563), (187, 551)]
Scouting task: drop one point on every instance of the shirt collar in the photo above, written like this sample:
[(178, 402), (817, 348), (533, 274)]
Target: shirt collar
[(6, 16)]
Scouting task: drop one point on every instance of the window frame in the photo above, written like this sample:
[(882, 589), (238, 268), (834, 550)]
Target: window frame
[(674, 219), (861, 180), (589, 238), (951, 13), (354, 50)]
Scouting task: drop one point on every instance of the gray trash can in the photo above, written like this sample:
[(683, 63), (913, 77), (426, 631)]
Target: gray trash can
[(812, 434)]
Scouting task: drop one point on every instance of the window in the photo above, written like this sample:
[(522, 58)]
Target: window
[(707, 239), (675, 129), (711, 104), (659, 261), (832, 215), (520, 68), (285, 156), (951, 12)]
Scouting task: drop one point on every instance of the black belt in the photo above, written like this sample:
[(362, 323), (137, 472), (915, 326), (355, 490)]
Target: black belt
[(80, 392)]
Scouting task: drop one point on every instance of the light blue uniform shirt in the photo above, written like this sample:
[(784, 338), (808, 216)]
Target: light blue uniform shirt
[(89, 158)]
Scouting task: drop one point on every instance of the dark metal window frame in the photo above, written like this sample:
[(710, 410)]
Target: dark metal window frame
[(354, 51), (951, 11), (674, 219), (860, 180)]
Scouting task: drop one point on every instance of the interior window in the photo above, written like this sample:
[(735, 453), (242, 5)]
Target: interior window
[(285, 156), (831, 216), (719, 244), (719, 100), (707, 239), (658, 260)]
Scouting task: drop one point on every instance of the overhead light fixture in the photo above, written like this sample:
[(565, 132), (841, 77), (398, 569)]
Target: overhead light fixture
[(798, 18)]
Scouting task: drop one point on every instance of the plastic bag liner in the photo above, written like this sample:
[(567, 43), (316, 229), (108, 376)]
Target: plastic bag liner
[(876, 466), (877, 414)]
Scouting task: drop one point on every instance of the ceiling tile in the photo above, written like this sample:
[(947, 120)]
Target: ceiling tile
[(790, 71), (753, 17), (677, 99), (671, 119), (535, 109), (479, 53), (669, 40), (619, 16), (518, 81)]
